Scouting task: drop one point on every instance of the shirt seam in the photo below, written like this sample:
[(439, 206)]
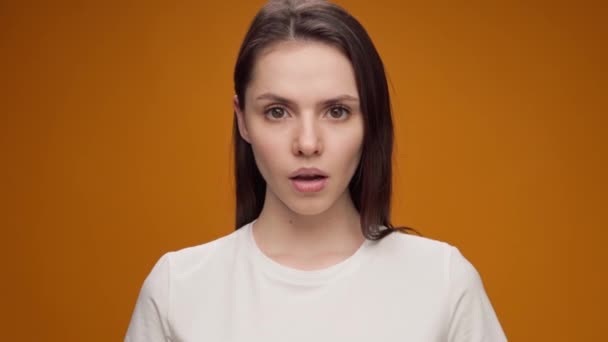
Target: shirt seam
[(170, 333), (451, 306)]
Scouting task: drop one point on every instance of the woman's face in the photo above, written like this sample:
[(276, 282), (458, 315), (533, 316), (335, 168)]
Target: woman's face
[(302, 111)]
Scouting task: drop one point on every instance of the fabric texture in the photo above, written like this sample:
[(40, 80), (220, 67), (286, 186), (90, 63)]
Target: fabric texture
[(401, 288)]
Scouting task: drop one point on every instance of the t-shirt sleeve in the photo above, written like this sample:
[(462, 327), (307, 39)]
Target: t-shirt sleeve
[(472, 317), (149, 318)]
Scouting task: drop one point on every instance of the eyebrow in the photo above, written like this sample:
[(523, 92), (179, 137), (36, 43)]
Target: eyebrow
[(277, 98)]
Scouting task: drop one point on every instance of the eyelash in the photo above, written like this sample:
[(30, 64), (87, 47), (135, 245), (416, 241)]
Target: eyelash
[(345, 112)]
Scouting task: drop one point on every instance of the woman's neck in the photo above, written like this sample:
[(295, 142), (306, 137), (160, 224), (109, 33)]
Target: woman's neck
[(280, 231)]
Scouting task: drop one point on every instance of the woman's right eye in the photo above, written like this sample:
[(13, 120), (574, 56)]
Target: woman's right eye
[(275, 113)]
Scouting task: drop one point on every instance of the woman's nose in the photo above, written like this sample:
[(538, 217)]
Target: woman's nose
[(307, 140)]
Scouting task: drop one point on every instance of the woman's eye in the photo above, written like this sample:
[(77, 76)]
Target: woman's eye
[(275, 112), (338, 112)]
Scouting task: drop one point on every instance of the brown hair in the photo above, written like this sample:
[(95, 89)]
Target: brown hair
[(371, 186)]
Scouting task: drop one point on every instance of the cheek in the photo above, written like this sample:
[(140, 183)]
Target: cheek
[(267, 150), (349, 146), (350, 156)]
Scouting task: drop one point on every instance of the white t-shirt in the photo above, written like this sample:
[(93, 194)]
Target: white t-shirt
[(401, 288)]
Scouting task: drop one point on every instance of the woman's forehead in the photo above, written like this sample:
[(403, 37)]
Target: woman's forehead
[(301, 69)]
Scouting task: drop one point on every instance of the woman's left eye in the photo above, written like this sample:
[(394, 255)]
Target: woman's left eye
[(338, 112)]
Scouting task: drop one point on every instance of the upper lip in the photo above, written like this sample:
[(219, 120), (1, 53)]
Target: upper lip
[(308, 171)]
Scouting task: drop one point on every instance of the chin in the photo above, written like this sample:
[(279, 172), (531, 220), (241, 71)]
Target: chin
[(308, 206)]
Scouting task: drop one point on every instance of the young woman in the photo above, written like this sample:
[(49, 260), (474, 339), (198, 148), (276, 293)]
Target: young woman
[(314, 256)]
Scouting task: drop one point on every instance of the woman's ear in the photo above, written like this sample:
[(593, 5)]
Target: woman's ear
[(240, 119)]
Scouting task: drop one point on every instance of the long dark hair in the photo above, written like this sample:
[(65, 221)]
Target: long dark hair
[(318, 20)]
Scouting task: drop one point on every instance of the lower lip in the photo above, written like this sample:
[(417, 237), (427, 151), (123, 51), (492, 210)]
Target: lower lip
[(315, 185)]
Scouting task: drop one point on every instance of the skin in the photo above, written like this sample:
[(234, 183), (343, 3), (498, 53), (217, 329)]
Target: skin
[(304, 230)]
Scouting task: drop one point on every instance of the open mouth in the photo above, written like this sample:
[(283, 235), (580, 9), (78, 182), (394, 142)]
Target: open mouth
[(308, 177), (309, 183)]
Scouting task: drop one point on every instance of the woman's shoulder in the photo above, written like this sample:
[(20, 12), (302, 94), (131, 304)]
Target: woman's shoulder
[(435, 267), (427, 255), (191, 257), (415, 246)]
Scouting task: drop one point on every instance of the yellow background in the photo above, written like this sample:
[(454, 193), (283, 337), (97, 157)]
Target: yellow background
[(115, 144)]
